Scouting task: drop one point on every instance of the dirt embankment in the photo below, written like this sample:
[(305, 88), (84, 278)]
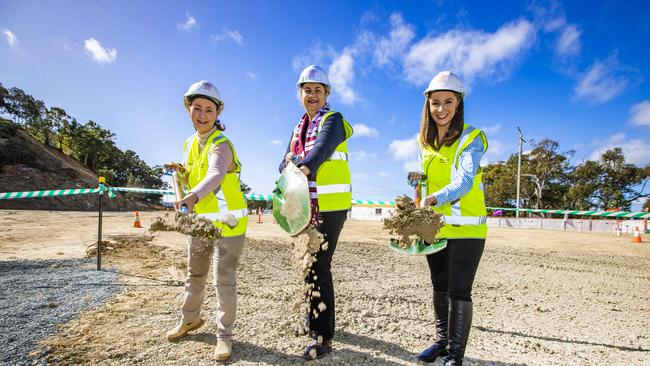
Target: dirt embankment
[(28, 165)]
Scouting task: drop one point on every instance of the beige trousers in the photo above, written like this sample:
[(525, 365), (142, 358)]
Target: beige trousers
[(225, 253)]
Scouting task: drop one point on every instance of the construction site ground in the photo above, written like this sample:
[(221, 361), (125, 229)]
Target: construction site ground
[(540, 297)]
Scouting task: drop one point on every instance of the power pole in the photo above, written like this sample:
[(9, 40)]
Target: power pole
[(521, 141)]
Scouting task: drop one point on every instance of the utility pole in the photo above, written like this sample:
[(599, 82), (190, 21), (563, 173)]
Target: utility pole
[(521, 141)]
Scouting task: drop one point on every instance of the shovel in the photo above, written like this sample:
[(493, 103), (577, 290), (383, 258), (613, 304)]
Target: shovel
[(419, 246), (291, 202)]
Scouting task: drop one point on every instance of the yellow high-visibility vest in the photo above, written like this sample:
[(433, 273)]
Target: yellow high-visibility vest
[(466, 217), (228, 197), (333, 180)]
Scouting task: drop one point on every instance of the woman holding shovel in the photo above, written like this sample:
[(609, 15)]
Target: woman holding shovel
[(318, 148), (450, 153), (211, 172)]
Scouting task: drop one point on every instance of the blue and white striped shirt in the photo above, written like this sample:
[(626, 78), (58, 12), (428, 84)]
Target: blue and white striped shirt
[(463, 179)]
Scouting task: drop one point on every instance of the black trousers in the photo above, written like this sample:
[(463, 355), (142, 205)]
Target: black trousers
[(453, 268), (331, 226)]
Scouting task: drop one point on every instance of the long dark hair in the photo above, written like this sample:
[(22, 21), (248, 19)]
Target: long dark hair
[(220, 126), (429, 129)]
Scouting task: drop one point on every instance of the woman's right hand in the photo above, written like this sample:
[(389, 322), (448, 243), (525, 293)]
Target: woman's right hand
[(174, 167)]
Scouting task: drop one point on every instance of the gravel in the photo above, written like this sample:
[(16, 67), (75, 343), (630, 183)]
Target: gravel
[(35, 296)]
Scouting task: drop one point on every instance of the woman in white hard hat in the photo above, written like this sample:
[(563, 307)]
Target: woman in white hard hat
[(319, 149), (450, 153), (211, 170)]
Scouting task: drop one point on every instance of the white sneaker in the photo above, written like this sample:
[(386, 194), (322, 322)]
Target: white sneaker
[(223, 350), (182, 328)]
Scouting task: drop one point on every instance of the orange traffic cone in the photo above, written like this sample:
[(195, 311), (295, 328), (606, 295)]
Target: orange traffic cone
[(636, 238), (136, 222)]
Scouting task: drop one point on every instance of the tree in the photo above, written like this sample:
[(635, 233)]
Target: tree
[(607, 183), (646, 205), (56, 119), (550, 169)]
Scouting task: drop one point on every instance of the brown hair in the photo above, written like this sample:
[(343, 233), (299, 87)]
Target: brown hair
[(429, 129)]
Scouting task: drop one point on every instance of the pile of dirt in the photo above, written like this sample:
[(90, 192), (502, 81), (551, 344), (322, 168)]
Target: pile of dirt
[(137, 254), (28, 165), (409, 222)]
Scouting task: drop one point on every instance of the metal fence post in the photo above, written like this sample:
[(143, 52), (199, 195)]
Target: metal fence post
[(102, 180)]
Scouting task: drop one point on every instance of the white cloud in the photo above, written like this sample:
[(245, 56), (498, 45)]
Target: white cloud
[(470, 53), (341, 74), (11, 38), (383, 174), (189, 23), (318, 55), (640, 113), (491, 129), (394, 46), (361, 129), (62, 42), (98, 53), (275, 142), (251, 75), (412, 166), (231, 34), (361, 155), (568, 43), (603, 81), (404, 149), (636, 151)]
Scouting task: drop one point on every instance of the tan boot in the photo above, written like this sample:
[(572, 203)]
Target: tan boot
[(182, 328), (223, 350)]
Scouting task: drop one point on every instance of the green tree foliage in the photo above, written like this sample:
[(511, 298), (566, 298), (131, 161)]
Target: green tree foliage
[(550, 181), (607, 183), (646, 205), (91, 144), (545, 171)]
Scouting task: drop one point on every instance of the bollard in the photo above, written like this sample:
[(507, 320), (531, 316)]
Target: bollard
[(259, 215), (102, 180)]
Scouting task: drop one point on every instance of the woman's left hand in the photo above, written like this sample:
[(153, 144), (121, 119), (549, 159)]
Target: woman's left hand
[(189, 201), (305, 170), (429, 201)]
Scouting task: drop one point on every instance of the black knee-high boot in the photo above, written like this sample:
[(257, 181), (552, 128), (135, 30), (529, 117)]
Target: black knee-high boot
[(460, 322), (439, 347)]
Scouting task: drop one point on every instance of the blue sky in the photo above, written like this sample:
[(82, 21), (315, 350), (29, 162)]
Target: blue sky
[(575, 72)]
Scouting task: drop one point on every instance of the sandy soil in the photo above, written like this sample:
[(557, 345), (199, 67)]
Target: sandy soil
[(541, 297)]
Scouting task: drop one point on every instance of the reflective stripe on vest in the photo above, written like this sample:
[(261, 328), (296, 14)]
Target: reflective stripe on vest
[(465, 220), (466, 217), (218, 216)]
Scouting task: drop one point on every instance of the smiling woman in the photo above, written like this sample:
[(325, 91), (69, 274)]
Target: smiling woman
[(450, 152), (211, 171), (319, 149)]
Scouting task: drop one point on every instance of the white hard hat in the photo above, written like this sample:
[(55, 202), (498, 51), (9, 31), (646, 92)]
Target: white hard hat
[(445, 80), (313, 74), (206, 89)]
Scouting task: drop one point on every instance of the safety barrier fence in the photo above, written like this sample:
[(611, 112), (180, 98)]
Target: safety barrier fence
[(110, 192)]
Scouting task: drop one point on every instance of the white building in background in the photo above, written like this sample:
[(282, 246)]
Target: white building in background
[(371, 212)]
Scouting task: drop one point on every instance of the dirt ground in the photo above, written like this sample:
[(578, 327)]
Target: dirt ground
[(541, 297)]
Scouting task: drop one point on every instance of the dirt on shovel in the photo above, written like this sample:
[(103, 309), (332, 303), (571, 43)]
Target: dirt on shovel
[(189, 224), (409, 222)]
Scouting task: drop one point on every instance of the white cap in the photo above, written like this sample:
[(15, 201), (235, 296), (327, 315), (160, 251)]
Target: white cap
[(445, 80), (206, 89), (313, 74)]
